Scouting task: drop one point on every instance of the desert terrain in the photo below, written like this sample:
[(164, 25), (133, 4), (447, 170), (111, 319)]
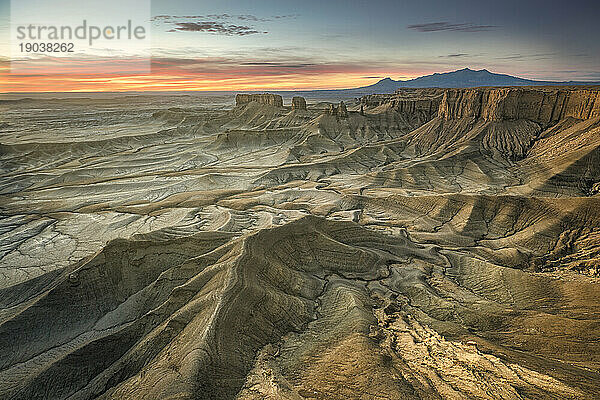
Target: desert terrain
[(426, 244)]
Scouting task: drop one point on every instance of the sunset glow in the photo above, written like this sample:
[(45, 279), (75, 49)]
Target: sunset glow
[(221, 46), (83, 83)]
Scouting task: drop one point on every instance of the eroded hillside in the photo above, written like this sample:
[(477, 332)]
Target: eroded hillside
[(431, 244)]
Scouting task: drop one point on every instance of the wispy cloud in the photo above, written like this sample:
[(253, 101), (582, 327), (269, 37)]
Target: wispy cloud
[(446, 26), (234, 66), (172, 18), (249, 17), (214, 28), (218, 24), (254, 18), (241, 17), (277, 64), (456, 55), (536, 56)]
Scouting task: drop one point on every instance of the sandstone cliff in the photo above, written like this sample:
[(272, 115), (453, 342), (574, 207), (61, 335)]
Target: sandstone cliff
[(264, 98), (407, 101), (298, 103), (340, 110), (542, 105)]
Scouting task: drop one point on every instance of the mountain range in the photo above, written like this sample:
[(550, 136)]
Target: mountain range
[(459, 79)]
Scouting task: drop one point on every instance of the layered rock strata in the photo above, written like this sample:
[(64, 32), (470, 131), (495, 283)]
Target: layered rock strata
[(341, 110), (407, 101), (541, 105), (298, 103), (264, 98)]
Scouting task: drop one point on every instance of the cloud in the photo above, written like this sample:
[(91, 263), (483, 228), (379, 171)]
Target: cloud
[(595, 75), (218, 24), (445, 26), (160, 18), (286, 16), (536, 56), (214, 28), (371, 77), (236, 66), (455, 55), (171, 18), (241, 17), (277, 64), (248, 17)]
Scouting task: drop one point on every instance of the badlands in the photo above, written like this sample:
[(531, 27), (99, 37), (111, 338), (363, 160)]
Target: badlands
[(428, 244)]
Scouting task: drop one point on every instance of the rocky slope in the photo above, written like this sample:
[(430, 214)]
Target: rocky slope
[(544, 106)]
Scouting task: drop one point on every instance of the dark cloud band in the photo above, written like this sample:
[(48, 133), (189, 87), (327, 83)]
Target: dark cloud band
[(445, 26), (215, 28)]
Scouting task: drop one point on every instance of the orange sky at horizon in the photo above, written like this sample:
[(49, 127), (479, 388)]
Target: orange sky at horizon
[(88, 83), (166, 79), (191, 75)]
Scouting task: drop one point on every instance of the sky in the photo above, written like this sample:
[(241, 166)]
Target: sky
[(288, 45)]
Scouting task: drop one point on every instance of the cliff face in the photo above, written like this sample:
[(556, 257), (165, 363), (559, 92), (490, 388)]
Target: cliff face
[(340, 110), (541, 105), (265, 98), (408, 101), (298, 103), (429, 106)]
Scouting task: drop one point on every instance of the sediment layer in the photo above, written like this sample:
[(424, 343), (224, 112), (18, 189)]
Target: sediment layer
[(541, 105), (265, 98)]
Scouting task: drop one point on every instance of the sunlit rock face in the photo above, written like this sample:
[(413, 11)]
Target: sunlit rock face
[(298, 103), (340, 110), (541, 105), (429, 244), (265, 98)]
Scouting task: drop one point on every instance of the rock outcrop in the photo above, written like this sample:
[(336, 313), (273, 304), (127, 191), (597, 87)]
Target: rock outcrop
[(298, 103), (340, 110), (264, 98), (429, 106), (407, 101), (542, 105)]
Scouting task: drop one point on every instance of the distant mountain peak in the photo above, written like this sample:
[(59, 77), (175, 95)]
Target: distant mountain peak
[(461, 78), (467, 69)]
